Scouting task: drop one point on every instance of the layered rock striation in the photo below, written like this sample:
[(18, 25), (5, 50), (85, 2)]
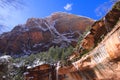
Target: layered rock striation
[(39, 34), (102, 62)]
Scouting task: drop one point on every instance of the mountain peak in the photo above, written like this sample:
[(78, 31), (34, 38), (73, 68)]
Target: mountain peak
[(39, 34)]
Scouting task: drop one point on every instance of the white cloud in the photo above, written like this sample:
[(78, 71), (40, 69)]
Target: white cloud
[(68, 7)]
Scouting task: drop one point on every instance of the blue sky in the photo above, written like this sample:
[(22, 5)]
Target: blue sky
[(79, 7), (11, 16)]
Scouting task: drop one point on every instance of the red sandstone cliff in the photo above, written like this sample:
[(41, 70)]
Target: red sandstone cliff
[(100, 63), (37, 34)]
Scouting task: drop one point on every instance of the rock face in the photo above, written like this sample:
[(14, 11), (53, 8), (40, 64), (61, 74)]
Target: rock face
[(42, 72), (5, 67), (100, 63), (104, 58), (59, 29), (98, 30)]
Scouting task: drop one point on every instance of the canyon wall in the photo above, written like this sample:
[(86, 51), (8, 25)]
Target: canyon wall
[(39, 34), (102, 61)]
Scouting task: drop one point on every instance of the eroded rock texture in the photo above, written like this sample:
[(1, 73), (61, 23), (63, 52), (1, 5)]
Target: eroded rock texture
[(59, 29), (98, 30), (5, 67), (101, 63)]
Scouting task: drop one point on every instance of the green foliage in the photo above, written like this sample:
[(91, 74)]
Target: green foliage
[(81, 38), (57, 53), (19, 75), (54, 54), (117, 5)]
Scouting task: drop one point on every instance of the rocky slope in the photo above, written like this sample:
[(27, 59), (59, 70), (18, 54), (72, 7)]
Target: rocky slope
[(101, 62), (38, 34), (105, 57), (5, 67)]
